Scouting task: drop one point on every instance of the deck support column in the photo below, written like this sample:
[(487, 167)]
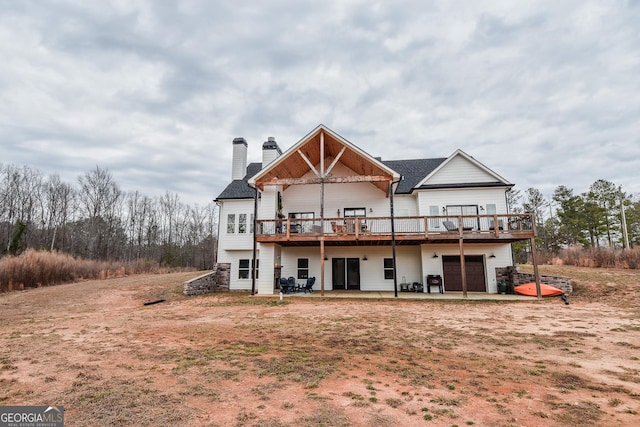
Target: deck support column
[(536, 273), (393, 239), (463, 268), (322, 238), (322, 178), (534, 255)]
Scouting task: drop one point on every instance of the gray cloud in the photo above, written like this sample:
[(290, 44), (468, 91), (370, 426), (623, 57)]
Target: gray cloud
[(156, 91)]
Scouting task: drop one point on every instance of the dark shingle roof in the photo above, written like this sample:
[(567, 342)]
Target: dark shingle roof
[(413, 171), (239, 188)]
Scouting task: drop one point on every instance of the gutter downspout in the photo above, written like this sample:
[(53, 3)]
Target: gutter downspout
[(255, 244)]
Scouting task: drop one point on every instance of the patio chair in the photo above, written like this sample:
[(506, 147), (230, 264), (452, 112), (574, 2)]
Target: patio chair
[(284, 285), (450, 226), (309, 285), (291, 282), (338, 229), (500, 225)]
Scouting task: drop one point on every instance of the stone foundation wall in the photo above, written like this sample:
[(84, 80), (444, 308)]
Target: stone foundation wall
[(512, 276), (215, 281)]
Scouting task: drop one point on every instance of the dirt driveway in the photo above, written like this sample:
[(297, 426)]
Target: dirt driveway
[(234, 360)]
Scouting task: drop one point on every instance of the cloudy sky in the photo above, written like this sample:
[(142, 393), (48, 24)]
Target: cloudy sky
[(545, 93)]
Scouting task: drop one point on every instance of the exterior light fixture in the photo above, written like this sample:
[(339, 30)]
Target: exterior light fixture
[(435, 255)]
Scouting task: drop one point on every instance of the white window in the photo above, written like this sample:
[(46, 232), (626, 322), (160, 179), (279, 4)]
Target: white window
[(301, 222), (242, 223), (244, 271), (355, 212), (303, 268), (388, 268), (231, 223), (434, 222)]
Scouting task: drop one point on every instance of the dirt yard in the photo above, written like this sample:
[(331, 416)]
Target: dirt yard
[(236, 360)]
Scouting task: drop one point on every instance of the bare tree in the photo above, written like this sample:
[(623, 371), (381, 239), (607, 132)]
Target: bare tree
[(59, 198), (98, 198)]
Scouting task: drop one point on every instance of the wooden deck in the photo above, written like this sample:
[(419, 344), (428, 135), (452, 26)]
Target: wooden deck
[(504, 228)]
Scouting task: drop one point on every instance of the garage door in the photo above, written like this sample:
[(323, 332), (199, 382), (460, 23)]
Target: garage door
[(474, 266)]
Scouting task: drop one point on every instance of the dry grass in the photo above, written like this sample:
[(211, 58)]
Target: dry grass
[(235, 360), (33, 269), (599, 258)]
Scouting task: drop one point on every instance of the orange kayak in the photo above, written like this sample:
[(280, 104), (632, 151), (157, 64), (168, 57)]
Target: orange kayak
[(530, 290)]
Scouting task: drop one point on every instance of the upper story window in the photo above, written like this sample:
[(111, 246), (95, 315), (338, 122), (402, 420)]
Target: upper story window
[(242, 223), (301, 226), (355, 212), (231, 223), (434, 211), (463, 210)]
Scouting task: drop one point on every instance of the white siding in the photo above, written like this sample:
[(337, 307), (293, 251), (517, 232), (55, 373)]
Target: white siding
[(414, 262), (306, 198), (235, 241), (268, 204), (371, 271), (404, 204), (502, 252), (233, 257), (266, 281), (466, 196), (460, 170)]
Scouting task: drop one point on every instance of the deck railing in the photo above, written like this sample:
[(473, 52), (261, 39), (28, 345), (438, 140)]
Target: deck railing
[(409, 225)]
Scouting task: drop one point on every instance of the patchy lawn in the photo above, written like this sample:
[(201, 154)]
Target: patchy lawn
[(231, 359)]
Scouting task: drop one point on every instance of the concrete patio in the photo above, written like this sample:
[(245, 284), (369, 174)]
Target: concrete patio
[(475, 296)]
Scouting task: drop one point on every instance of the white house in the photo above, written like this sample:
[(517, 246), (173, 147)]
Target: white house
[(325, 208)]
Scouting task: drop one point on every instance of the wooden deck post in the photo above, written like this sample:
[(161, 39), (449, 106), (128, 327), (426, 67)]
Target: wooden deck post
[(322, 238), (322, 178), (393, 240), (534, 256), (463, 268)]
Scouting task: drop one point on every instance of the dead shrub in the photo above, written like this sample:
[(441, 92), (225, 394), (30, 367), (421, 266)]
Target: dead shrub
[(598, 257), (33, 269)]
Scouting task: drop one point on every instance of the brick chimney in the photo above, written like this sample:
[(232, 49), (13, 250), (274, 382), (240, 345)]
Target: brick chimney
[(270, 151), (239, 162)]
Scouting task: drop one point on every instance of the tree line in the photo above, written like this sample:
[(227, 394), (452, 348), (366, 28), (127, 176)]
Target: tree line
[(603, 216), (95, 219)]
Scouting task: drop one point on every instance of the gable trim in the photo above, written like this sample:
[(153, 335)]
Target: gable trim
[(467, 157), (359, 161)]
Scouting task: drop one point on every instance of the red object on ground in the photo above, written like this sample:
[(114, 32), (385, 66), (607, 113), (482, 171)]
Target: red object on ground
[(530, 289)]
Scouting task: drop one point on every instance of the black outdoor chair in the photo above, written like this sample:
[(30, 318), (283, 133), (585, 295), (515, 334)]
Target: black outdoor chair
[(292, 284), (500, 225), (450, 226), (309, 285), (284, 285)]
